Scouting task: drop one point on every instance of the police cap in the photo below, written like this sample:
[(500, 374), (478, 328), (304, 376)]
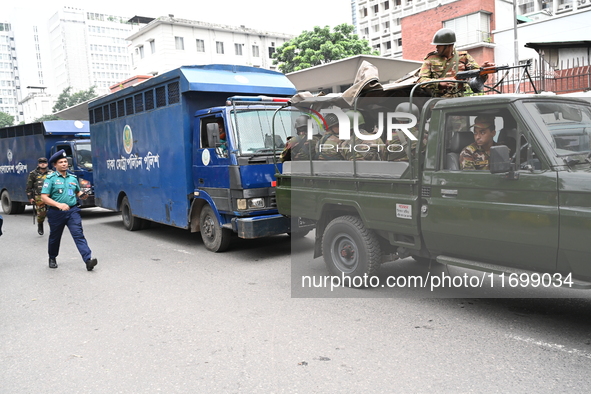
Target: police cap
[(60, 154)]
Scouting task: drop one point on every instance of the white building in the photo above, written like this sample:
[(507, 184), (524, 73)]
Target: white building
[(36, 105), (566, 26), (88, 49), (168, 42), (9, 75)]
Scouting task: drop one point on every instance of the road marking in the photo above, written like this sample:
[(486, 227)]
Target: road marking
[(552, 346)]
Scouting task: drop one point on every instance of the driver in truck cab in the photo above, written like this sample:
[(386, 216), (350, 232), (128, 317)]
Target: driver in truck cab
[(476, 155)]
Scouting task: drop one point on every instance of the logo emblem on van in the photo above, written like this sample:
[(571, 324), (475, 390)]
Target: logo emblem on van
[(127, 139)]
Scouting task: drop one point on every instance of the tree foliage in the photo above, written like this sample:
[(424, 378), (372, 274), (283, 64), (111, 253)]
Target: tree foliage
[(45, 118), (66, 99), (6, 119), (320, 46)]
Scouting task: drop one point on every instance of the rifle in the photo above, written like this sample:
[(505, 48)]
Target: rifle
[(34, 212), (478, 77)]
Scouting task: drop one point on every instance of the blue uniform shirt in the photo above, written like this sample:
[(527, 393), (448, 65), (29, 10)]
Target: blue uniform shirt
[(61, 189)]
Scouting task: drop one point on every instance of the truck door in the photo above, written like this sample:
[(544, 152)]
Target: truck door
[(486, 217), (211, 162)]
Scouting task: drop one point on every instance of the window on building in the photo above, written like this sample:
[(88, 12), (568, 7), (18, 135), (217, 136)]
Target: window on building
[(141, 51), (398, 3), (271, 52), (386, 25), (389, 45), (375, 28), (200, 45), (238, 49), (255, 51), (366, 31), (153, 46), (376, 9), (470, 29), (399, 43), (219, 47), (363, 12), (179, 43), (386, 5)]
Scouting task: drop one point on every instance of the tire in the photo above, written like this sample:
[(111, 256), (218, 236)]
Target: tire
[(11, 207), (215, 237), (349, 248), (132, 223)]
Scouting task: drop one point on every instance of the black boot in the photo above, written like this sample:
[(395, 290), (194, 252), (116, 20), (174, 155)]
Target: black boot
[(40, 228)]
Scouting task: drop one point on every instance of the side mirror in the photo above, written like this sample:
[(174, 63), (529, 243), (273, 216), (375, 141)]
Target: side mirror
[(69, 162), (499, 161)]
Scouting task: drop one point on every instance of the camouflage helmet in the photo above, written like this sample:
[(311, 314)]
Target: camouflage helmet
[(444, 37), (408, 108), (351, 115), (301, 121), (331, 120)]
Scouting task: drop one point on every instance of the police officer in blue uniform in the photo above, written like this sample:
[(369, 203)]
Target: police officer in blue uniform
[(59, 194)]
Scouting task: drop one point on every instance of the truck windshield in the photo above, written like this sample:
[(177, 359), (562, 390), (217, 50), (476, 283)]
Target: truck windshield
[(254, 129), (83, 155), (566, 126)]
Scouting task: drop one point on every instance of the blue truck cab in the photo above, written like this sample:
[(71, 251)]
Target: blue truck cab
[(22, 145), (193, 148)]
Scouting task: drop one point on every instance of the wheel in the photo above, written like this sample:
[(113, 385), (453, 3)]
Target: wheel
[(349, 248), (11, 207), (132, 223), (215, 237)]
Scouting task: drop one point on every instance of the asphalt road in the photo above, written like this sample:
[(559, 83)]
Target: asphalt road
[(161, 314)]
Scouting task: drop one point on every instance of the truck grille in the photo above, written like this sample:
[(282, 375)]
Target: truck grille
[(426, 192)]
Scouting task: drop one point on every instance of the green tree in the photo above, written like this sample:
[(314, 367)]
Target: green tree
[(66, 99), (45, 118), (6, 119), (320, 46)]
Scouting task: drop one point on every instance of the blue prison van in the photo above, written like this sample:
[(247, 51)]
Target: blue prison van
[(22, 145), (194, 148)]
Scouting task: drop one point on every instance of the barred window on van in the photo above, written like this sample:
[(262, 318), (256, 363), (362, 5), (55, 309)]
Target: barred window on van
[(129, 106), (120, 108), (139, 103), (161, 96), (113, 106), (149, 99), (173, 93)]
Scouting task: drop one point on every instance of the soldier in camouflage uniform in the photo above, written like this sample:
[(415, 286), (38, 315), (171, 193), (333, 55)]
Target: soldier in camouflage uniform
[(476, 155), (34, 186), (358, 148), (300, 147), (444, 63), (329, 146), (396, 150)]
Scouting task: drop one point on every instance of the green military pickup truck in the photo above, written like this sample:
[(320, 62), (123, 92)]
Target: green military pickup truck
[(530, 211)]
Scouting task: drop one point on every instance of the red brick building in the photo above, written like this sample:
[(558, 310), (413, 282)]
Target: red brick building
[(472, 20)]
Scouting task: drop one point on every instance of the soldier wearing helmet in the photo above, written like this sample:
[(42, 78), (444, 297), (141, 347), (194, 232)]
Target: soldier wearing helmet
[(358, 148), (299, 147), (329, 146), (444, 63)]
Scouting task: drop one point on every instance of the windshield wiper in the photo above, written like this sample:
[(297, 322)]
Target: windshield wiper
[(266, 151), (569, 161)]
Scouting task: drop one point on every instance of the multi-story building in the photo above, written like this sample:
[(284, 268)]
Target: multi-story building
[(9, 73), (405, 28), (167, 42), (89, 49)]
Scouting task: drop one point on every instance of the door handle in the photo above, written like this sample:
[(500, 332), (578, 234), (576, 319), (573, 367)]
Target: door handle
[(449, 193)]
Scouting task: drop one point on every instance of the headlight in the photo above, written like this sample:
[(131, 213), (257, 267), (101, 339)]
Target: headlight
[(251, 203), (256, 203)]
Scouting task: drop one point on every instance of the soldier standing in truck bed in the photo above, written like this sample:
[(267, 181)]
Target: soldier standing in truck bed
[(444, 63)]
